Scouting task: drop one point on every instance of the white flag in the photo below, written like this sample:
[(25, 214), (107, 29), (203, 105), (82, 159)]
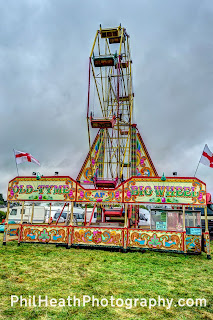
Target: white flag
[(24, 157), (207, 157)]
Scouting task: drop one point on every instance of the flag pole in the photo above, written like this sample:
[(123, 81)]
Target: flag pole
[(199, 161), (197, 168), (15, 161)]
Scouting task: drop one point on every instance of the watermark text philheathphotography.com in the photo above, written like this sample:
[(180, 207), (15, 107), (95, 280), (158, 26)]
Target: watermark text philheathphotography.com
[(86, 300)]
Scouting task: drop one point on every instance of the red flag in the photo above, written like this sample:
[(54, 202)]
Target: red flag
[(207, 157), (24, 156)]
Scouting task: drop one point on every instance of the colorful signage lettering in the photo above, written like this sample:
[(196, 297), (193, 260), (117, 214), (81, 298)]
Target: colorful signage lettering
[(44, 189), (171, 191), (110, 196), (135, 190)]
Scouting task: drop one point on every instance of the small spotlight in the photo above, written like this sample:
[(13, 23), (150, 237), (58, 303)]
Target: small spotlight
[(174, 173), (34, 173), (56, 173)]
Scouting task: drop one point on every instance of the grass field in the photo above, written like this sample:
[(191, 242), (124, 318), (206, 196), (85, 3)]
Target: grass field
[(34, 269)]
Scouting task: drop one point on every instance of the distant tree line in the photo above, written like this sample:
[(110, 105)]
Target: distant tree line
[(2, 199)]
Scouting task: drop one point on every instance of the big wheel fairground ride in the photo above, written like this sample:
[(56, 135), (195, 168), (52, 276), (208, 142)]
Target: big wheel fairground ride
[(112, 157), (116, 177)]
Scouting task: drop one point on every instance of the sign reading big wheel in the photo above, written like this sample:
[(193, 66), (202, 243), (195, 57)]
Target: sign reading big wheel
[(171, 191)]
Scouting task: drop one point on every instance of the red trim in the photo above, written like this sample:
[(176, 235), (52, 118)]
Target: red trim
[(162, 231), (130, 212), (43, 178), (42, 225), (61, 213), (76, 190), (68, 231), (92, 214), (111, 202), (159, 178), (71, 230), (92, 227), (136, 221), (183, 241), (133, 177), (72, 234), (68, 235), (194, 227), (118, 79), (100, 227), (21, 236)]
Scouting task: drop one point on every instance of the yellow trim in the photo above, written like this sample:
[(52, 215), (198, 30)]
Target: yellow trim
[(93, 72), (8, 212), (94, 44), (33, 212), (71, 214), (206, 219), (50, 213), (126, 218), (126, 147), (122, 34), (22, 212)]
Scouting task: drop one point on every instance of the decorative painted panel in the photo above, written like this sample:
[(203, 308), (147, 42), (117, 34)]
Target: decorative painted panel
[(197, 231), (144, 164), (155, 240), (107, 237), (97, 195), (172, 191), (206, 241), (12, 232), (85, 174), (98, 236), (43, 189), (44, 234), (193, 243), (189, 191)]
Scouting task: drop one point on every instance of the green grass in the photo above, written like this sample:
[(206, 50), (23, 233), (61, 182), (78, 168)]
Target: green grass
[(36, 269)]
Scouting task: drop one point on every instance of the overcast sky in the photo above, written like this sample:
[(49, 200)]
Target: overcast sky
[(44, 50)]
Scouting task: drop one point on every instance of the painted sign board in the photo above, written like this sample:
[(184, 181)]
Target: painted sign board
[(160, 225), (171, 191), (194, 231), (44, 189), (188, 191), (99, 196)]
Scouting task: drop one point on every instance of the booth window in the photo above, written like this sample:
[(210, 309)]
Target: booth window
[(172, 220), (13, 212), (193, 219), (158, 220), (175, 221)]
